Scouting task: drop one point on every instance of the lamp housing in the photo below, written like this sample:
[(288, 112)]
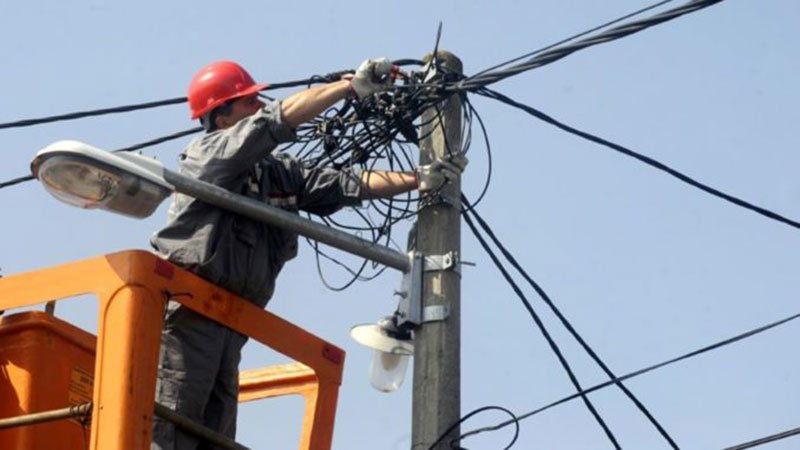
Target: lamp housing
[(87, 177)]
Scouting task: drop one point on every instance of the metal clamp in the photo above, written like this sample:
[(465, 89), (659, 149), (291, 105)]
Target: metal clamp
[(435, 263), (450, 260), (439, 198), (410, 311), (435, 313)]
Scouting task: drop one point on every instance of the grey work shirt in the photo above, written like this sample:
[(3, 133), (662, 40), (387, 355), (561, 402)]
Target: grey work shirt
[(230, 250)]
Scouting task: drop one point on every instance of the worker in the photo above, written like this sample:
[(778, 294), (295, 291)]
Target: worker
[(198, 363)]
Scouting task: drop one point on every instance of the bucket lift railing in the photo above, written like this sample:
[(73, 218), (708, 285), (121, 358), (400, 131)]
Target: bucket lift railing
[(132, 288)]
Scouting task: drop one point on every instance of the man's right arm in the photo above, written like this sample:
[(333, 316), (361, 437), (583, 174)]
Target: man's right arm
[(373, 75), (303, 106)]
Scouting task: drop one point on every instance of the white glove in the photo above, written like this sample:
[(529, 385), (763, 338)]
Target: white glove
[(433, 176), (373, 75)]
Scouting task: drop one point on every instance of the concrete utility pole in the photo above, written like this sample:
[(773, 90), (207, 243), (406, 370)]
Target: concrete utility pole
[(437, 344)]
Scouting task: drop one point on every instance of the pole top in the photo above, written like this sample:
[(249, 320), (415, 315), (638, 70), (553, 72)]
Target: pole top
[(447, 60)]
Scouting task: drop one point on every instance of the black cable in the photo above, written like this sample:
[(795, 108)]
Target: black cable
[(764, 440), (645, 159), (475, 82), (90, 113), (372, 132), (546, 298), (489, 162), (543, 330), (355, 276), (645, 370), (18, 180), (327, 78), (159, 140), (468, 416)]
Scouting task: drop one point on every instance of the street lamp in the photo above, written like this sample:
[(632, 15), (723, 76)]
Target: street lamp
[(391, 348), (134, 185), (87, 177)]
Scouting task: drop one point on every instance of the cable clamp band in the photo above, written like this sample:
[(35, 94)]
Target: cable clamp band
[(435, 263), (439, 199), (435, 313), (448, 261)]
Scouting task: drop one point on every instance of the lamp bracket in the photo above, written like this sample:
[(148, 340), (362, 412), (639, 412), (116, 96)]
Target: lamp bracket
[(409, 310)]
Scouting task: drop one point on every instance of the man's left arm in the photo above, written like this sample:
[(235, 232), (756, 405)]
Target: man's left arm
[(384, 184), (427, 178)]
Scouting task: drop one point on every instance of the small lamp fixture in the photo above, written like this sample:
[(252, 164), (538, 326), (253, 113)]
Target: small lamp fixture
[(391, 347), (87, 177)]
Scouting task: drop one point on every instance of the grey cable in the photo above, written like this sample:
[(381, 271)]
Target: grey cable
[(555, 54), (765, 440)]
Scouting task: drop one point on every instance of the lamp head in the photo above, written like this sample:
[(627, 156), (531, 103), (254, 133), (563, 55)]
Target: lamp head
[(87, 177)]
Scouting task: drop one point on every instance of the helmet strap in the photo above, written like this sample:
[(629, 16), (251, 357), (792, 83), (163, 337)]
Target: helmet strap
[(207, 121)]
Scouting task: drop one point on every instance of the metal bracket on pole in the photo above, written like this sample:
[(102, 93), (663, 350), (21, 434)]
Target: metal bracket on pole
[(435, 313), (410, 306), (435, 263), (410, 312)]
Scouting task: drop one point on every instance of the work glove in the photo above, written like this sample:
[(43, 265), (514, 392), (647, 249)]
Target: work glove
[(373, 75), (433, 176)]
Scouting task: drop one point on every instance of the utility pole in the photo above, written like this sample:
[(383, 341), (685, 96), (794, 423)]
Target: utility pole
[(437, 344)]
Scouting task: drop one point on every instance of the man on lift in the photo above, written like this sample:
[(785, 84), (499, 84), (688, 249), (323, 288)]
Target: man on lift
[(198, 364)]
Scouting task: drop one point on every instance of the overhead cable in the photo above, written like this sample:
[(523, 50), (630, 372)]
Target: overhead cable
[(762, 441), (553, 346), (90, 113), (572, 38), (129, 108), (643, 371), (550, 56), (159, 140), (546, 298), (645, 159), (333, 76), (468, 416)]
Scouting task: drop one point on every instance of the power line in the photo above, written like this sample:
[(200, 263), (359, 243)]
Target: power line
[(546, 298), (333, 76), (91, 113), (476, 82), (706, 349), (572, 38), (764, 440), (130, 108), (160, 140), (645, 159), (471, 414), (553, 346)]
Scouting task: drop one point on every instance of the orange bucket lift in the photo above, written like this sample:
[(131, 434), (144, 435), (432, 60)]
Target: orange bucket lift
[(102, 389)]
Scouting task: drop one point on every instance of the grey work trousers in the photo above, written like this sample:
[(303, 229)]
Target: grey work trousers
[(198, 377)]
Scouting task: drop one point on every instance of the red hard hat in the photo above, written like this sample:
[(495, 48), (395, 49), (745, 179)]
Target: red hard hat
[(217, 83)]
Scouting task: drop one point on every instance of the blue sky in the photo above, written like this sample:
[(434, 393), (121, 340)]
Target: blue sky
[(645, 267)]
